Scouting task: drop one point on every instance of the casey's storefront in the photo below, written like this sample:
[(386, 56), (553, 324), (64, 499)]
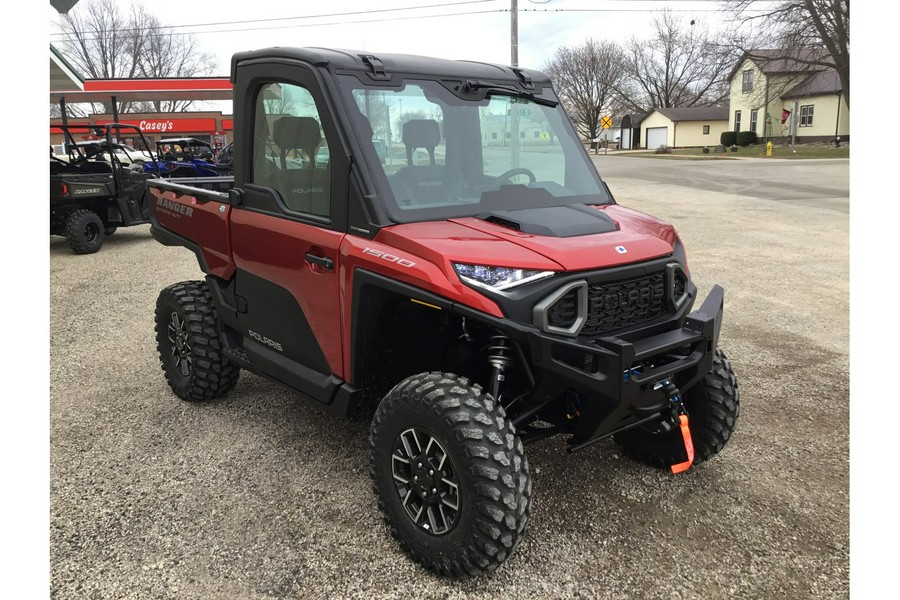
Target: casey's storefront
[(212, 127)]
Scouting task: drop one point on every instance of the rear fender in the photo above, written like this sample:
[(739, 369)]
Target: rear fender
[(198, 221)]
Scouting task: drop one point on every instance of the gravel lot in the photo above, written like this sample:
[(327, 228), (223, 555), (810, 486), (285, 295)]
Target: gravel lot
[(265, 495)]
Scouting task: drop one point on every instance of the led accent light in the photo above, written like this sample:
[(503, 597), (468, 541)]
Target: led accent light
[(497, 278)]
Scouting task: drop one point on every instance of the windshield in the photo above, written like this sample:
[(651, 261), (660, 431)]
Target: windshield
[(442, 156)]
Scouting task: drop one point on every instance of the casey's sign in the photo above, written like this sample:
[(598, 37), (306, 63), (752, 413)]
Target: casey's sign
[(207, 125)]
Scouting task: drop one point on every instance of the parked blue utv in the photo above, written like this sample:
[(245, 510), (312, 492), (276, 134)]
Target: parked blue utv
[(184, 157)]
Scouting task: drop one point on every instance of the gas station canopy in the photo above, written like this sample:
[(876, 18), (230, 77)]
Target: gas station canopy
[(181, 88)]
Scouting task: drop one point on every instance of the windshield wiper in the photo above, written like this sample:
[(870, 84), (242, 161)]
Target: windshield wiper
[(473, 85)]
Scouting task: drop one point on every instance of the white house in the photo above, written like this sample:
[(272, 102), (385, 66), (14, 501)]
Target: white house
[(773, 94)]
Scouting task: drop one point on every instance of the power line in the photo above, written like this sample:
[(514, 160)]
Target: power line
[(66, 36), (301, 25), (322, 16)]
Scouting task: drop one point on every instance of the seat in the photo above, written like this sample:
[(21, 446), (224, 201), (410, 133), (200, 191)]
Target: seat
[(305, 188), (420, 184)]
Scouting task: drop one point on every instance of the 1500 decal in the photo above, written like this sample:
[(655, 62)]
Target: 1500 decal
[(389, 257)]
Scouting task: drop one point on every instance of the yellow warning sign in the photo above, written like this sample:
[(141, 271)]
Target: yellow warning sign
[(605, 122)]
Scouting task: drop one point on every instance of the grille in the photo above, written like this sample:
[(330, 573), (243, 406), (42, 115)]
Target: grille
[(614, 305)]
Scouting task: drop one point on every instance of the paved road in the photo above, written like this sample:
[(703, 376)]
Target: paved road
[(264, 495), (819, 183)]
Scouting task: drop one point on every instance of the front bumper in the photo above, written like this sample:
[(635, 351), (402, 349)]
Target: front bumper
[(614, 377)]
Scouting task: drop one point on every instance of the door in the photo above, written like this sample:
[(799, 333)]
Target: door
[(287, 228), (656, 137)]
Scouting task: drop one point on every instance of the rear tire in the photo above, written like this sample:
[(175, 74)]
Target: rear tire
[(84, 230), (188, 343), (713, 406), (450, 474)]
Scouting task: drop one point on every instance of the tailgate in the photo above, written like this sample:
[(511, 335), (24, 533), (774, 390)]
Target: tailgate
[(75, 187), (195, 218)]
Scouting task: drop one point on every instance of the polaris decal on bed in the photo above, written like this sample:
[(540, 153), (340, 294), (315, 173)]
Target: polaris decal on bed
[(173, 209)]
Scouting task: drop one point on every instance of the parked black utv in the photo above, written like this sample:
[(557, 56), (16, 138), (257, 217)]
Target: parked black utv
[(92, 192)]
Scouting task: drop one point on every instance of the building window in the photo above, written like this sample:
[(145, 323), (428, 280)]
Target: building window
[(494, 136), (806, 115), (753, 117), (737, 120), (747, 82), (706, 130)]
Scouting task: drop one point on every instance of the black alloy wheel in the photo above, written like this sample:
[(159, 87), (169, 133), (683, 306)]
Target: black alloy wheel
[(187, 340), (450, 474), (181, 344), (426, 481)]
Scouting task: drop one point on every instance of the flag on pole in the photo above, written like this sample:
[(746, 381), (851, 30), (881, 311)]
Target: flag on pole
[(785, 115)]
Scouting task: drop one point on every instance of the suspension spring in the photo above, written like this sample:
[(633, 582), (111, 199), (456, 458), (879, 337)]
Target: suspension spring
[(500, 358), (499, 352)]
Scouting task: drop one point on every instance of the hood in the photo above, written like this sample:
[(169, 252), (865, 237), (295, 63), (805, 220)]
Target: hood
[(559, 238)]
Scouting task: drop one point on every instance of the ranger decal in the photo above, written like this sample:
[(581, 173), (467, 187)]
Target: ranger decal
[(172, 208)]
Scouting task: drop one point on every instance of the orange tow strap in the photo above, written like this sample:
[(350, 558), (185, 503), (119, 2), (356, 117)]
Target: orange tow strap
[(688, 446)]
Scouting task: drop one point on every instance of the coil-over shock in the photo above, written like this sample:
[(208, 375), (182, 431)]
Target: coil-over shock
[(500, 358)]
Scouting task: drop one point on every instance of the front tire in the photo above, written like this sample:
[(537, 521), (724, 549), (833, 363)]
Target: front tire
[(84, 230), (713, 406), (187, 339), (450, 474)]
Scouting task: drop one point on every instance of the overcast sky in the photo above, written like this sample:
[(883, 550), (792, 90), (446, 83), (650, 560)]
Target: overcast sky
[(456, 29)]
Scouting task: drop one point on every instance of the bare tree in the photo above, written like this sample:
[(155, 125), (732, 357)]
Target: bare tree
[(791, 25), (587, 78), (105, 41), (680, 66)]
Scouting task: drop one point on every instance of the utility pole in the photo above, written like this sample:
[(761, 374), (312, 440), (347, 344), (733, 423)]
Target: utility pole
[(514, 37)]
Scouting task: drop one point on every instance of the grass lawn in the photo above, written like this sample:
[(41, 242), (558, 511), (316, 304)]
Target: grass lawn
[(758, 151)]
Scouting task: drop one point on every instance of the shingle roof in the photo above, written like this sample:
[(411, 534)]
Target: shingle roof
[(791, 60), (697, 113), (817, 84)]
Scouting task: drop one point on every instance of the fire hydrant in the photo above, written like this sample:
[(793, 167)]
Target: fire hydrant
[(769, 149)]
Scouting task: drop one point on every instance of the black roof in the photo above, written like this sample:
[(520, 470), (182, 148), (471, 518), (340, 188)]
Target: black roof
[(351, 60)]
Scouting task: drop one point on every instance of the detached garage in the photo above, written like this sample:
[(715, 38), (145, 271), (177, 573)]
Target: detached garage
[(684, 127), (656, 137)]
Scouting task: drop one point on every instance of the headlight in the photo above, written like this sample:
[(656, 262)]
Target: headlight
[(497, 278)]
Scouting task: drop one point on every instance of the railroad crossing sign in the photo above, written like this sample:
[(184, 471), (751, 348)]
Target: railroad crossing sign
[(606, 122)]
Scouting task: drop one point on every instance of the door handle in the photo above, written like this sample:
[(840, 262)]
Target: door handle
[(322, 261)]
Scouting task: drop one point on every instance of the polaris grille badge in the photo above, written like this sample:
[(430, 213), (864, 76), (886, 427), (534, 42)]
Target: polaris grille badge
[(621, 249)]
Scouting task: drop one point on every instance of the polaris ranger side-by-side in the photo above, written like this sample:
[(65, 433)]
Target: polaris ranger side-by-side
[(92, 189), (475, 288)]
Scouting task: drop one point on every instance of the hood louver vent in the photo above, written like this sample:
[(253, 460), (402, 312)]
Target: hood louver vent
[(504, 222)]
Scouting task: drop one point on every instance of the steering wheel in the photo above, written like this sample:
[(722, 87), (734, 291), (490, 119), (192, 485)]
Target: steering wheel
[(508, 175)]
